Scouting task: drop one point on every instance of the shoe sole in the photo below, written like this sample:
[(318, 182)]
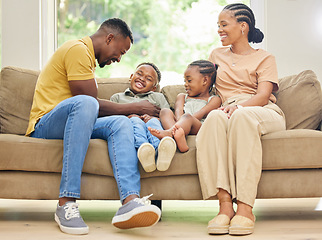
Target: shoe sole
[(76, 231), (240, 231), (136, 218), (166, 150), (146, 156), (218, 230)]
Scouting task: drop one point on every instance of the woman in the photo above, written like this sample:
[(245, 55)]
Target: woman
[(229, 151)]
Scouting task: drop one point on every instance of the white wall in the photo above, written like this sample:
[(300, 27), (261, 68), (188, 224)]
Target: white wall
[(293, 33), (26, 40), (20, 33)]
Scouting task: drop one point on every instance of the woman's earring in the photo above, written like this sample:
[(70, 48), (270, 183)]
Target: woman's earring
[(243, 32)]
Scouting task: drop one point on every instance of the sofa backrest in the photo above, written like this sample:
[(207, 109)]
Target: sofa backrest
[(16, 93), (299, 97), (17, 86)]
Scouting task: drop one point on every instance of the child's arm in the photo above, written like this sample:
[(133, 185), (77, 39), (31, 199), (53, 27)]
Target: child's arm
[(178, 106), (214, 103)]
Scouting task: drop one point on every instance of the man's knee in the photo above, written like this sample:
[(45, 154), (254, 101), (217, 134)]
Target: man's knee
[(88, 103)]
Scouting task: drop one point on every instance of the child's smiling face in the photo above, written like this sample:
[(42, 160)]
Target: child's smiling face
[(144, 79), (194, 81)]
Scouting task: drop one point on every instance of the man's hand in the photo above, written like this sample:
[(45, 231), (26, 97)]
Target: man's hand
[(107, 108), (145, 107)]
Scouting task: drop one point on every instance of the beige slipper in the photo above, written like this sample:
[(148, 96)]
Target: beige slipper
[(240, 225), (219, 224)]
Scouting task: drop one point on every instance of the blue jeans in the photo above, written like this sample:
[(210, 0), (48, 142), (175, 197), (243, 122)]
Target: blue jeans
[(142, 134), (75, 121)]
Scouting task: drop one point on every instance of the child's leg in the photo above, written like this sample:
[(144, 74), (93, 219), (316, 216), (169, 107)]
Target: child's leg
[(187, 124), (166, 148), (167, 119), (153, 123), (145, 151), (139, 129)]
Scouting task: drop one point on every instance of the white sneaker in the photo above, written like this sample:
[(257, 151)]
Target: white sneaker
[(137, 213), (166, 150), (146, 155)]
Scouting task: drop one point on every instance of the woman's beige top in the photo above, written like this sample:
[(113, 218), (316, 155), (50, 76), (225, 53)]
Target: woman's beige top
[(240, 74)]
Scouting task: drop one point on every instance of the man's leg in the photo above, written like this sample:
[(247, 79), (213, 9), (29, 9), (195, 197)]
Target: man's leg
[(71, 120), (135, 212)]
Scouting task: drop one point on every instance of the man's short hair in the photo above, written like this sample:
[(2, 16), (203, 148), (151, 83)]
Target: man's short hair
[(119, 26)]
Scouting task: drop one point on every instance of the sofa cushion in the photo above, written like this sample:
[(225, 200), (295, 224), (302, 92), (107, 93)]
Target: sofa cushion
[(45, 155), (292, 149), (17, 87), (171, 91), (300, 98), (108, 86)]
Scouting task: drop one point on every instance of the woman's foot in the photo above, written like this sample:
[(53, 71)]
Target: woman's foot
[(240, 225), (220, 224), (245, 210), (225, 203), (244, 221), (180, 137)]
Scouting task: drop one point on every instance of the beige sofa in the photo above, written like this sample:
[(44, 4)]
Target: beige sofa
[(30, 168)]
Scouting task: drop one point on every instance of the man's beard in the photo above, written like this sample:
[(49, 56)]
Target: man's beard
[(103, 64)]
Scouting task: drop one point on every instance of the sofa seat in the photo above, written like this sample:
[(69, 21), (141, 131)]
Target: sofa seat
[(20, 153), (42, 155)]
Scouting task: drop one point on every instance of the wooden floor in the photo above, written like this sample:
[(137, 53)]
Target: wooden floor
[(289, 219)]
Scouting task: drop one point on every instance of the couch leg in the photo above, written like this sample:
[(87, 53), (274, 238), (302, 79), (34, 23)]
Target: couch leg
[(157, 203)]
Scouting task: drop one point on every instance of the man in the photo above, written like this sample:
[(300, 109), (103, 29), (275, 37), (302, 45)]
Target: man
[(65, 106)]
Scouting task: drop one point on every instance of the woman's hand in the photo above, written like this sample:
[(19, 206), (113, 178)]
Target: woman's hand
[(261, 98), (229, 109)]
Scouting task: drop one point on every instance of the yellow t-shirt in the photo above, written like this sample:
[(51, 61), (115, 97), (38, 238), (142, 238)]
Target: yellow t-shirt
[(74, 60), (240, 74)]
